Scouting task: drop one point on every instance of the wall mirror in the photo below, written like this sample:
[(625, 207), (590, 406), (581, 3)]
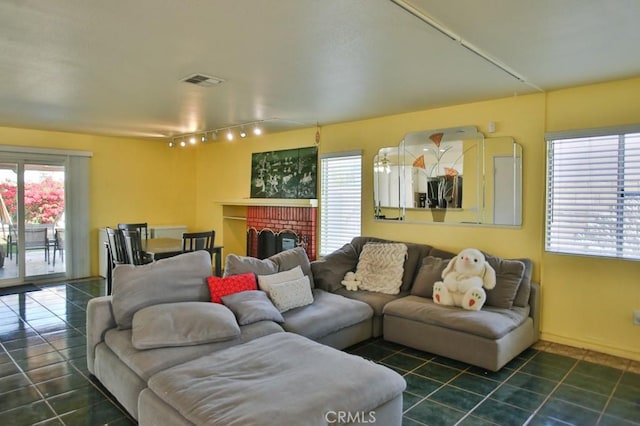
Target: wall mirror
[(449, 175)]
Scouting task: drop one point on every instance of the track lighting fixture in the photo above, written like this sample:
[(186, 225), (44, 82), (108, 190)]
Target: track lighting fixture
[(193, 138)]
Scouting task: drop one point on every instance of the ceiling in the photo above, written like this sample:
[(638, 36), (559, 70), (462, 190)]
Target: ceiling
[(115, 67)]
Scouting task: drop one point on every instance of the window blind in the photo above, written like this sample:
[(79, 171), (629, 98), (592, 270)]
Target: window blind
[(340, 200), (593, 195)]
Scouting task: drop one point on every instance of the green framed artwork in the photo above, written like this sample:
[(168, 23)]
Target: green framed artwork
[(289, 173)]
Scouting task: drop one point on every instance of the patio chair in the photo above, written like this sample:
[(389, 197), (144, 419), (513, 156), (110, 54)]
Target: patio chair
[(35, 238), (58, 245)]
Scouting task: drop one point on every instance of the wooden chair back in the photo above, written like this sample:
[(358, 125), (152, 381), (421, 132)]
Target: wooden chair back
[(142, 228), (192, 241), (117, 248), (133, 245)]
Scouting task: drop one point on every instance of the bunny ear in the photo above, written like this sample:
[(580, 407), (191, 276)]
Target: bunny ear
[(450, 266), (489, 276)]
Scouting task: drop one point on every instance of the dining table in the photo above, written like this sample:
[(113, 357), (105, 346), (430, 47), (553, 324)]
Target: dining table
[(161, 248)]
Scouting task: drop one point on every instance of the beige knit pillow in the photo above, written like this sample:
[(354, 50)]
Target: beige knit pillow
[(381, 266)]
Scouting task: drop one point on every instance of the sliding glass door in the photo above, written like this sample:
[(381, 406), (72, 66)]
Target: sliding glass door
[(32, 214)]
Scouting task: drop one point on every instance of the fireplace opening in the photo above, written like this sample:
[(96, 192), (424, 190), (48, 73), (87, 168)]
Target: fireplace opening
[(292, 227), (266, 243)]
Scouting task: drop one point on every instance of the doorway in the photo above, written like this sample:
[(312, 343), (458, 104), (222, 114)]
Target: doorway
[(32, 216)]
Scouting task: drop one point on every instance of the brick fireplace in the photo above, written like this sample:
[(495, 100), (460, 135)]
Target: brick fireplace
[(301, 221)]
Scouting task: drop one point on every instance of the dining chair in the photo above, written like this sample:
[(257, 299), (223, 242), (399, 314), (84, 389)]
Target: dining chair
[(116, 253), (192, 241), (133, 245), (142, 228)]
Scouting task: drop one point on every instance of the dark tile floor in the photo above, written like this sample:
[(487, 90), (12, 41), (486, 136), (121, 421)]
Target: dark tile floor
[(44, 379)]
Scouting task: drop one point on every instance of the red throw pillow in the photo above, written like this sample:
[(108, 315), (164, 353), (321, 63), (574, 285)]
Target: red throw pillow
[(220, 287)]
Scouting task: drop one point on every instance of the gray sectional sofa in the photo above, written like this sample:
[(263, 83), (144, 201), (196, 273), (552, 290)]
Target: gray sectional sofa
[(139, 371), (489, 338)]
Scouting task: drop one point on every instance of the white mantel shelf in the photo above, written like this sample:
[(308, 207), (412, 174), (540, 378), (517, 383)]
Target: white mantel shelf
[(270, 202)]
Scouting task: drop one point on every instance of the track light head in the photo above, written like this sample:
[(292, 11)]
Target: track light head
[(229, 135), (257, 130), (243, 134)]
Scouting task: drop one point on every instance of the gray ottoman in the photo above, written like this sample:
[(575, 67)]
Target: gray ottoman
[(282, 379)]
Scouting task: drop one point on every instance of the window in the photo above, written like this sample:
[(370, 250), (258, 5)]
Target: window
[(340, 199), (593, 193)]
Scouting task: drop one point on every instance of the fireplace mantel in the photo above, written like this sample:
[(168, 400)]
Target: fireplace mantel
[(270, 202)]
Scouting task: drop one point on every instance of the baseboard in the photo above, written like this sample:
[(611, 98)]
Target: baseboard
[(593, 346)]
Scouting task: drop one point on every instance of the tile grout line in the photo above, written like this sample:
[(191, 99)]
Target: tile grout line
[(610, 397), (65, 360), (502, 383), (548, 397), (57, 417)]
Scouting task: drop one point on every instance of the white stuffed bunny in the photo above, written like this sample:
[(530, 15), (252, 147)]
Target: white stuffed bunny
[(351, 281), (463, 281)]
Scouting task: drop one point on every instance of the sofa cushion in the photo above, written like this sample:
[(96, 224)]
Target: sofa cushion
[(182, 324), (220, 287), (490, 322), (415, 253), (148, 362), (327, 314), (381, 266), (291, 258), (252, 306), (181, 278), (329, 271), (509, 275), (377, 301), (291, 294), (266, 281), (428, 274), (280, 380), (522, 297), (234, 265)]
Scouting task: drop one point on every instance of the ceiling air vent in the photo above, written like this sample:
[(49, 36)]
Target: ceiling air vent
[(202, 80)]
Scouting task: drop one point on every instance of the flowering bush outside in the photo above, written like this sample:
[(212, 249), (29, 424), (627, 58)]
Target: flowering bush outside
[(43, 201)]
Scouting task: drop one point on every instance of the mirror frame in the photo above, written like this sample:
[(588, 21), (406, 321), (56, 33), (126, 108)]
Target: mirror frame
[(495, 166)]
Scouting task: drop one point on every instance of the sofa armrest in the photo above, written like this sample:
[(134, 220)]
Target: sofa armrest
[(99, 319), (534, 304)]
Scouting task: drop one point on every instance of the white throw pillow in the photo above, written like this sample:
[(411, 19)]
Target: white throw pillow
[(266, 281), (291, 294), (381, 266)]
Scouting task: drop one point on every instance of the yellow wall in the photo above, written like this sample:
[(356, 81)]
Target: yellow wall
[(589, 301), (585, 302), (131, 180)]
